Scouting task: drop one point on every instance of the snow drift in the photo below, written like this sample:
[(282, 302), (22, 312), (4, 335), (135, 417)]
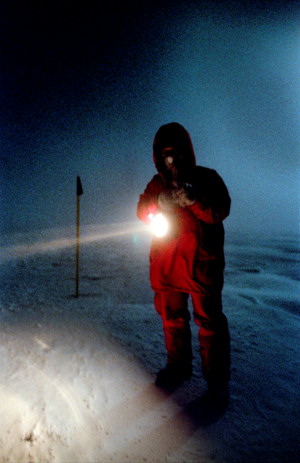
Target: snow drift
[(76, 378)]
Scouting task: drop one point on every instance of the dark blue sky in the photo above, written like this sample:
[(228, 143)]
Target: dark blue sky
[(85, 85)]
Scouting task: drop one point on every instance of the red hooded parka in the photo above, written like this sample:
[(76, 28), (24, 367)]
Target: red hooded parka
[(191, 257)]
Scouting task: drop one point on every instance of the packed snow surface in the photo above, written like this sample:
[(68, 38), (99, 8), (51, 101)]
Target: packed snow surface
[(77, 374)]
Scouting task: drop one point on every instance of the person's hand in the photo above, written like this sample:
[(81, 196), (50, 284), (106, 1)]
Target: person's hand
[(166, 200), (181, 198)]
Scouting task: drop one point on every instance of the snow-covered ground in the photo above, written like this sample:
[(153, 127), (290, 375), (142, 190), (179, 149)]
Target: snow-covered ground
[(76, 377)]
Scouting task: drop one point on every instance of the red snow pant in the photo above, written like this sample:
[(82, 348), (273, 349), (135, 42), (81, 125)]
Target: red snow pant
[(213, 332)]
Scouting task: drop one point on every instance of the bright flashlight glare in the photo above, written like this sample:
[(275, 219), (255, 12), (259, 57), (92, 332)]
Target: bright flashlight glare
[(89, 235), (159, 225)]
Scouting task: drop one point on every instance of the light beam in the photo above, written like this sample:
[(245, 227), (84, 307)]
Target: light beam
[(109, 231)]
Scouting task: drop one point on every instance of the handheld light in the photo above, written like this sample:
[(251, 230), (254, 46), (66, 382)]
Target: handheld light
[(158, 224)]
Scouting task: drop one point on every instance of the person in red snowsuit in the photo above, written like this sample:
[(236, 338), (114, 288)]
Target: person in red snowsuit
[(189, 260)]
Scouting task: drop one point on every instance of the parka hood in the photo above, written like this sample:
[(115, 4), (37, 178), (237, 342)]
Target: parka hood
[(176, 136)]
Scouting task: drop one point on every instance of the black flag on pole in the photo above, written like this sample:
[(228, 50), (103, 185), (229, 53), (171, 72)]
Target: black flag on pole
[(79, 193), (79, 187)]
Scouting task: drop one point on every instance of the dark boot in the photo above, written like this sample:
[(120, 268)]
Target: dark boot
[(173, 375)]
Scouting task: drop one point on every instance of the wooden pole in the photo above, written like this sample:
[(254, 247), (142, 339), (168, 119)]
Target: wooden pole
[(79, 193)]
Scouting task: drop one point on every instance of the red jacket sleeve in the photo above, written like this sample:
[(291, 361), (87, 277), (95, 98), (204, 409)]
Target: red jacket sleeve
[(148, 201), (212, 203)]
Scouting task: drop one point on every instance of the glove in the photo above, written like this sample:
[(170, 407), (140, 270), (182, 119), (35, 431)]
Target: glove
[(182, 199), (170, 199), (166, 201)]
